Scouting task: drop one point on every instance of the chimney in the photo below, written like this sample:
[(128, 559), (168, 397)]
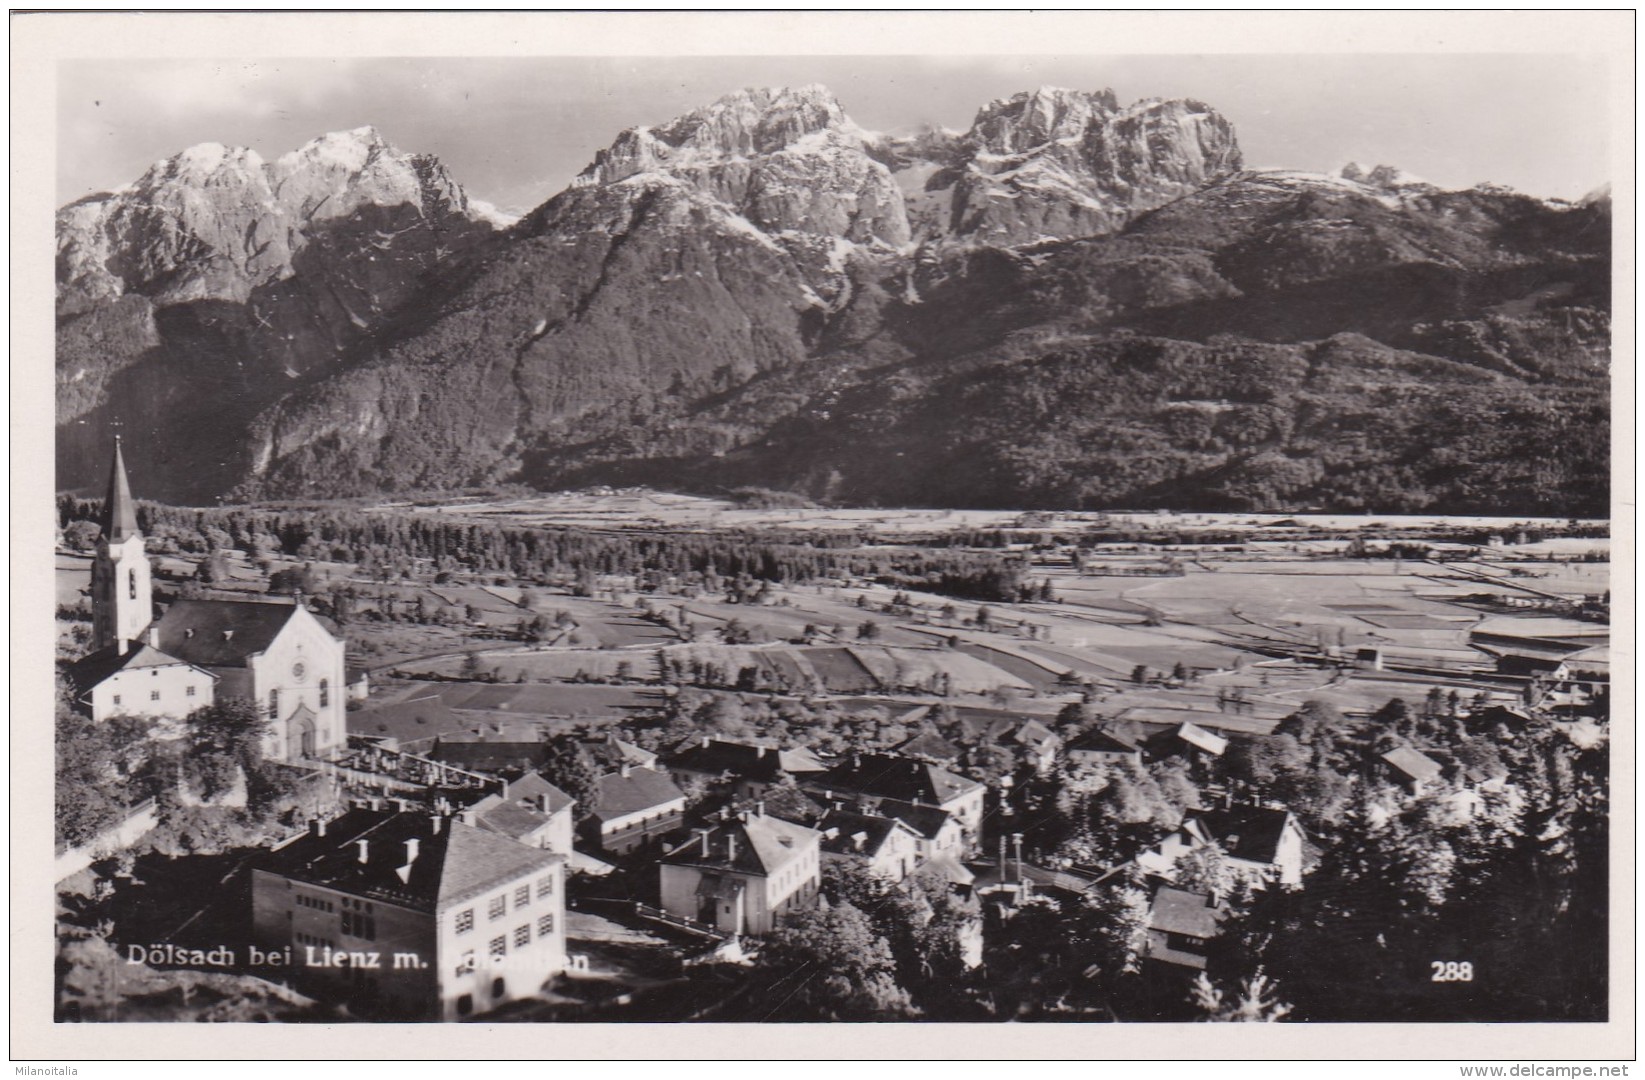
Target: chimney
[(706, 741), (759, 808), (704, 835), (154, 637), (730, 847), (435, 820), (761, 753), (411, 850), (465, 817), (188, 632), (1016, 842), (120, 644), (1002, 858), (365, 848), (228, 635), (625, 769), (317, 827)]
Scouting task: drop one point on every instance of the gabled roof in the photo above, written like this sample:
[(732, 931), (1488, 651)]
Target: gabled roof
[(221, 633), (1251, 833), (89, 671), (454, 862), (760, 846), (533, 787), (639, 791), (119, 515), (892, 776), (930, 745), (751, 761), (1192, 914), (1413, 763), (924, 819), (1034, 733), (842, 829), (783, 801), (408, 721), (1208, 741), (609, 753), (487, 755)]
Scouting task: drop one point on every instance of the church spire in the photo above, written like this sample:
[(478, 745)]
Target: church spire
[(119, 518)]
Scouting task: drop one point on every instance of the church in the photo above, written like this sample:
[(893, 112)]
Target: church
[(275, 654)]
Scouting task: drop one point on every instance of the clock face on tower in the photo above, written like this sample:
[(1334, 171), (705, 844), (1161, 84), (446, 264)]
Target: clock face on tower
[(298, 671)]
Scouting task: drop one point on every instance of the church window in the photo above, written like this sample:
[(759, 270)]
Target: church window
[(131, 582), (325, 692), (274, 703)]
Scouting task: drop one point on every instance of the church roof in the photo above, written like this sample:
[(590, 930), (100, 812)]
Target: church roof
[(119, 517), (221, 633)]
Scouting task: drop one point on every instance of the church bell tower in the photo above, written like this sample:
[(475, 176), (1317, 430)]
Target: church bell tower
[(122, 599)]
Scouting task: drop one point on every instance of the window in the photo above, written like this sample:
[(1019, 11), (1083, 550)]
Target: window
[(154, 695), (465, 920), (499, 906), (189, 692), (522, 896), (545, 886), (497, 988), (274, 703), (325, 692), (522, 936), (465, 1004), (117, 699), (545, 926), (499, 945)]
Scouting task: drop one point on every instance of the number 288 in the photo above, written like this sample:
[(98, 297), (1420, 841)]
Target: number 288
[(1452, 971)]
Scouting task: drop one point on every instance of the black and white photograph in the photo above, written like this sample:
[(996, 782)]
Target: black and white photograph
[(1119, 536)]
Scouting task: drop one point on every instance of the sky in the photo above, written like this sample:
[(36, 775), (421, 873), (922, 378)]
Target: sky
[(514, 131)]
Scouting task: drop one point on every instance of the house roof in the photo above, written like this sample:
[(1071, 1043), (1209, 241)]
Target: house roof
[(1192, 914), (1413, 763), (783, 801), (639, 791), (751, 761), (756, 845), (1522, 662), (924, 819), (1034, 733), (609, 753), (928, 744), (1208, 741), (892, 776), (119, 514), (93, 669), (483, 755), (534, 786), (511, 819), (1251, 833), (454, 862), (221, 633), (842, 829)]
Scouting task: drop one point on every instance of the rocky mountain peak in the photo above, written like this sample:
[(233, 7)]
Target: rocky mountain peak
[(1033, 118)]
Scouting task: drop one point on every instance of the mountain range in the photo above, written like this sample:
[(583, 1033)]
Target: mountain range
[(1073, 303)]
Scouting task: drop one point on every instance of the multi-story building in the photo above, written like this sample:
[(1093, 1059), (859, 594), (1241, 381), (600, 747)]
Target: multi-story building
[(406, 915), (889, 776), (634, 807), (745, 875)]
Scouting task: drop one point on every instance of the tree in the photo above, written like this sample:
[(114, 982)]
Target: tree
[(568, 766), (830, 965), (1254, 1002), (1139, 674), (1204, 870)]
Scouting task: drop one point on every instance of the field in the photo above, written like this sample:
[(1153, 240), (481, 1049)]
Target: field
[(1143, 629)]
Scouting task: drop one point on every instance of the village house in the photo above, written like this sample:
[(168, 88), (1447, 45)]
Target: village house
[(1101, 747), (1262, 845), (142, 681), (493, 749), (1181, 926), (932, 747), (634, 807), (1413, 770), (411, 723), (890, 777), (884, 845), (531, 811), (743, 876), (407, 915), (751, 768)]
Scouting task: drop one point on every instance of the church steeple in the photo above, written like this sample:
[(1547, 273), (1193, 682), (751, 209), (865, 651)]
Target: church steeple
[(119, 518), (122, 598)]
